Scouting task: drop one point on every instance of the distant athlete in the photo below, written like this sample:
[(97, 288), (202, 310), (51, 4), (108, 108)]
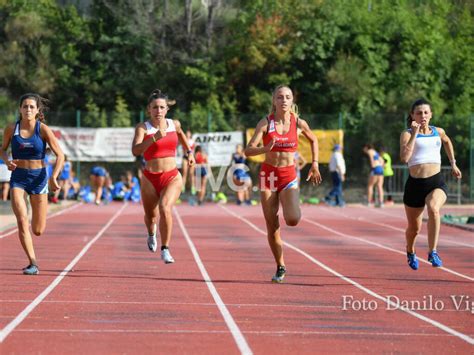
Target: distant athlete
[(376, 175), (157, 139), (28, 138), (420, 147)]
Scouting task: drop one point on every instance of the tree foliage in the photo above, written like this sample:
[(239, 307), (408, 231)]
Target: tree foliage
[(367, 60)]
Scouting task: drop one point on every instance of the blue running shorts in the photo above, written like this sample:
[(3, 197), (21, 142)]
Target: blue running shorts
[(33, 181)]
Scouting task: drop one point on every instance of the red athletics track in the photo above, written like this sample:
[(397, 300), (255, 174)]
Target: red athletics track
[(120, 298)]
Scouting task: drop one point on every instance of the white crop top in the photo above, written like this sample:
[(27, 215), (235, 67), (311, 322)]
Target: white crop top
[(427, 148)]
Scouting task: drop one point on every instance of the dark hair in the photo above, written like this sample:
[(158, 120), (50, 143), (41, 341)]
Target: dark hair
[(198, 149), (157, 94), (41, 103), (369, 146), (414, 105)]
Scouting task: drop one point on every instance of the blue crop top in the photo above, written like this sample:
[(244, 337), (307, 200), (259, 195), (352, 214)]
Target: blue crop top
[(33, 148)]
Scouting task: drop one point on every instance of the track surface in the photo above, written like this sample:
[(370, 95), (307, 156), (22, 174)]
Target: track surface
[(100, 290)]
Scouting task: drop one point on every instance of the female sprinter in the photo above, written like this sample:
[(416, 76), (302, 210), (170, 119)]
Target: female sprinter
[(420, 147), (240, 177), (376, 175), (157, 140), (202, 169), (28, 138), (278, 180)]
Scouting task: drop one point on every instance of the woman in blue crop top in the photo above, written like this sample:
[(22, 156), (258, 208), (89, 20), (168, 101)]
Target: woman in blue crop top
[(420, 147), (28, 138), (240, 176), (375, 176)]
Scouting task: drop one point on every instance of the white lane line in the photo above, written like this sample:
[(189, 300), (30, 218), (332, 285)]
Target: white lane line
[(444, 240), (20, 317), (387, 301), (51, 216), (383, 247), (231, 324), (253, 332), (280, 305)]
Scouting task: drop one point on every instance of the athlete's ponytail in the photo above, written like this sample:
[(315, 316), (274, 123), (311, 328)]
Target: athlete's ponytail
[(157, 94)]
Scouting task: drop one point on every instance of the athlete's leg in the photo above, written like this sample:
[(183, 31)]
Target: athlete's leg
[(370, 189), (434, 201), (202, 192), (169, 196), (150, 201), (290, 202), (192, 175), (185, 171), (414, 219), (379, 184), (21, 213), (39, 210), (270, 206), (5, 190), (100, 181)]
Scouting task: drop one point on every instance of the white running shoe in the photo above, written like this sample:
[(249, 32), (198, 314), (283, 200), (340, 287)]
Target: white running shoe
[(152, 244), (166, 256)]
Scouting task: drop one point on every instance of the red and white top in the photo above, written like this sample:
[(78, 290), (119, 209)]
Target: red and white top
[(200, 158), (164, 147), (283, 142)]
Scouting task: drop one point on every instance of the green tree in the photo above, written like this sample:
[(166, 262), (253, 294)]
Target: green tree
[(121, 117)]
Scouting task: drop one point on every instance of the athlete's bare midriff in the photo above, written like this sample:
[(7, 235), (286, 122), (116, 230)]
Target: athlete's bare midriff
[(422, 171), (161, 164), (280, 159), (29, 164)]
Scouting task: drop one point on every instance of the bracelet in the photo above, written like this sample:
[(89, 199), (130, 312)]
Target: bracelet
[(189, 152), (315, 161), (453, 162), (153, 138)]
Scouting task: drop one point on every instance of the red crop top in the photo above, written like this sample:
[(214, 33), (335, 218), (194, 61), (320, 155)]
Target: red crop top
[(164, 147), (283, 142), (200, 158)]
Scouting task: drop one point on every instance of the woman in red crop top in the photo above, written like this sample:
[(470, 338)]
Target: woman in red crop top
[(157, 139), (278, 180), (201, 173)]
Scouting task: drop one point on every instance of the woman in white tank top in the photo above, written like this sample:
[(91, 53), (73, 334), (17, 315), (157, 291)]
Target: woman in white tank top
[(420, 147)]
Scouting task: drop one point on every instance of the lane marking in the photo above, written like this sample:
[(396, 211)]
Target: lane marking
[(20, 317), (344, 235), (253, 332), (231, 324), (444, 240), (179, 303), (48, 217), (434, 323)]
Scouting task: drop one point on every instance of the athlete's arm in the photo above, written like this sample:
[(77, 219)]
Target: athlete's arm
[(449, 149), (183, 140), (314, 175), (7, 137), (138, 145), (252, 147), (407, 142), (49, 137)]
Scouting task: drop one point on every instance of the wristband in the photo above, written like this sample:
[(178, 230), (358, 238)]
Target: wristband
[(315, 161), (453, 162), (189, 152)]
